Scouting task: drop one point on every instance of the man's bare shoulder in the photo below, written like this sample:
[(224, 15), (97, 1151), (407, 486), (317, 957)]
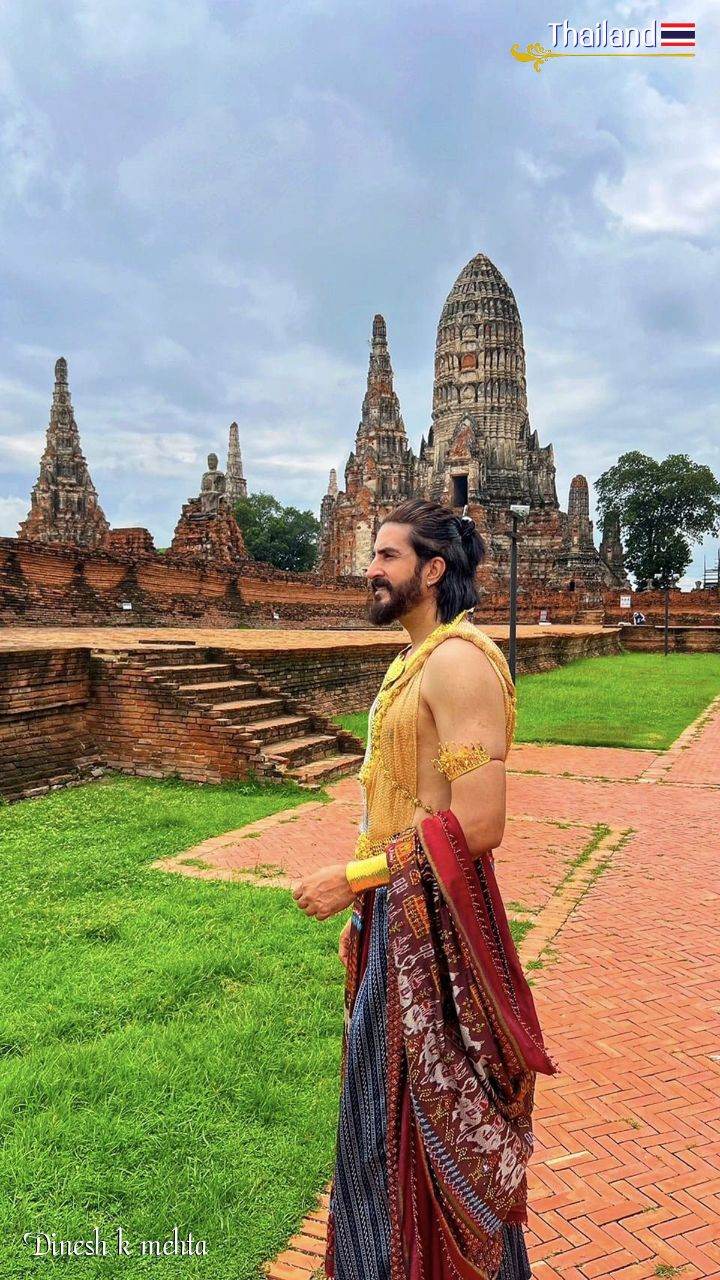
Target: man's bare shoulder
[(460, 665)]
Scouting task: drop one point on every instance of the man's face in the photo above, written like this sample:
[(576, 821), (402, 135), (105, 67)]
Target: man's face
[(395, 576)]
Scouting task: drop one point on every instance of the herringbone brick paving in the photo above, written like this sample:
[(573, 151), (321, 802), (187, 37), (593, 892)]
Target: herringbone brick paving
[(625, 1181)]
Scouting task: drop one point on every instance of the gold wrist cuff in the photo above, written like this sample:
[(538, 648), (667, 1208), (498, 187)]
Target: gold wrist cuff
[(368, 873)]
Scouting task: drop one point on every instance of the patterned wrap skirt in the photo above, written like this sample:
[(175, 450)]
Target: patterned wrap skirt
[(359, 1194)]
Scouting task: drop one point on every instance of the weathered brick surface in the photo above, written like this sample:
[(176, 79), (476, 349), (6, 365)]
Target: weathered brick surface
[(45, 732), (60, 584), (141, 728), (687, 608), (336, 681), (335, 672), (681, 639), (130, 542)]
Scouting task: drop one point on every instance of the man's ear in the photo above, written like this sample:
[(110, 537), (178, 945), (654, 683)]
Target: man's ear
[(435, 570)]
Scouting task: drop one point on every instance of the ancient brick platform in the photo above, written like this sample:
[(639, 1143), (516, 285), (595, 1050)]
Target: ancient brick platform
[(258, 639), (626, 970), (52, 732)]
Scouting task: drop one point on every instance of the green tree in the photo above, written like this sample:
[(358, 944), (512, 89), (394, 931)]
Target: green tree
[(663, 508), (283, 536)]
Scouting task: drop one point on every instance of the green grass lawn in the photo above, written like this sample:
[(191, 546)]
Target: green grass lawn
[(170, 1047), (623, 700)]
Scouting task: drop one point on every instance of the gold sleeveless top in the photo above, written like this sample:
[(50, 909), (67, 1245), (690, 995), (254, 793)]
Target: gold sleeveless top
[(389, 772)]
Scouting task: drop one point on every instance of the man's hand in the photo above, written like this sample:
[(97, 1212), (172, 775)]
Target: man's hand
[(323, 893)]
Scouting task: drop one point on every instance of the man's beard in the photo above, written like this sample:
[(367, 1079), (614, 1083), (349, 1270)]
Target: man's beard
[(399, 600)]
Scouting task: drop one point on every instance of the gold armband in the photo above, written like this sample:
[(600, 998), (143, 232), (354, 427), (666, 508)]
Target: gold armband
[(453, 759), (368, 873)]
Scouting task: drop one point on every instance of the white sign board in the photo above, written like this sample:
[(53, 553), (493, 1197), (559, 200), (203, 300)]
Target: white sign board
[(125, 604), (626, 602)]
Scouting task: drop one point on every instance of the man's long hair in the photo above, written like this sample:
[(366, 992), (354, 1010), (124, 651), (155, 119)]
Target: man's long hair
[(436, 531)]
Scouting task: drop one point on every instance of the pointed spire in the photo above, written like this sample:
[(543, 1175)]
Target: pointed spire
[(235, 482), (579, 498), (380, 374), (332, 489), (64, 506), (382, 425)]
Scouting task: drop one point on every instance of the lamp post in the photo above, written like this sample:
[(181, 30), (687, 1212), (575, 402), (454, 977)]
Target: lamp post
[(518, 511)]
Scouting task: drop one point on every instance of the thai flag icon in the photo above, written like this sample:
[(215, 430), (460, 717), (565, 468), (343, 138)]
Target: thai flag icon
[(679, 35)]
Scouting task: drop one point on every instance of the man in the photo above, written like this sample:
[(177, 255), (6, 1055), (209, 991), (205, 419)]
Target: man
[(441, 1042)]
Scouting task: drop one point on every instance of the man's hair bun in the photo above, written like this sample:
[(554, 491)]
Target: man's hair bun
[(467, 527)]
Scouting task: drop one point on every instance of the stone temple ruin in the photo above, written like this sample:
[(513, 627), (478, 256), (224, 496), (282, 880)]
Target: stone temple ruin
[(480, 450), (65, 507), (65, 510), (207, 529)]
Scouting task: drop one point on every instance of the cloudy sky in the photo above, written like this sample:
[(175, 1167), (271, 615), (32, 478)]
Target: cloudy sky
[(204, 202)]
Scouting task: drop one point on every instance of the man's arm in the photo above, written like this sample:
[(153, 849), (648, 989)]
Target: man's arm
[(464, 695)]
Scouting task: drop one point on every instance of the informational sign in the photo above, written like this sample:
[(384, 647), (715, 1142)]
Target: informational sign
[(543, 615), (125, 604), (626, 602)]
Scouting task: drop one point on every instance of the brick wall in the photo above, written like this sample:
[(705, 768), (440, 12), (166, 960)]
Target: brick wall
[(687, 608), (64, 585), (651, 639), (47, 585), (45, 731), (334, 681)]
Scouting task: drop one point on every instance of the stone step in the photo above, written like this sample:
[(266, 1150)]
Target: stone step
[(167, 655), (191, 674), (325, 770), (267, 731), (168, 644), (295, 751), (210, 693), (241, 713)]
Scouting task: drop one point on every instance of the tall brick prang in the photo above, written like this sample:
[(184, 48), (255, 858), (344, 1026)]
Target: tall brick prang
[(611, 547), (480, 447), (378, 474), (235, 482), (479, 451), (64, 504)]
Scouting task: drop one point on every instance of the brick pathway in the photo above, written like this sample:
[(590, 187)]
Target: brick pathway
[(625, 1181)]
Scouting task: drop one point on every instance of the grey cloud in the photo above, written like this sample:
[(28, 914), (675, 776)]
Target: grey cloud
[(216, 199)]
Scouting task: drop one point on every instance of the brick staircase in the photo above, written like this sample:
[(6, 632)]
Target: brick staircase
[(280, 736)]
